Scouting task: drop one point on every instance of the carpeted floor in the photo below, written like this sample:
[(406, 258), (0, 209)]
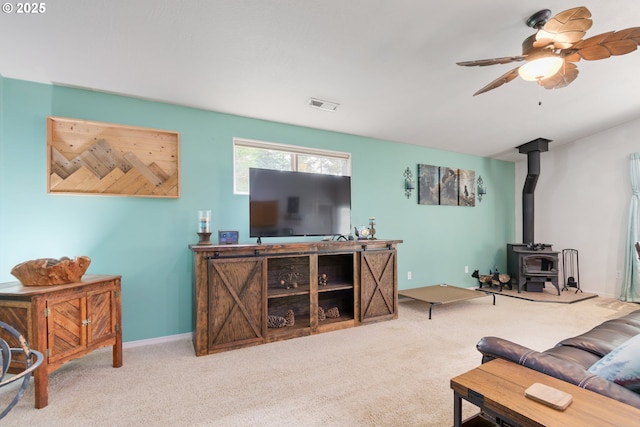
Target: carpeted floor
[(548, 294), (393, 373)]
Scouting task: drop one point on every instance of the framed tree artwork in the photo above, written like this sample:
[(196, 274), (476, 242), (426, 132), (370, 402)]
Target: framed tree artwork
[(428, 185), (448, 186), (467, 193)]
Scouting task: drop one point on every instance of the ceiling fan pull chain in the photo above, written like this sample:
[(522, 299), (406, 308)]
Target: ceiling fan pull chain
[(539, 92)]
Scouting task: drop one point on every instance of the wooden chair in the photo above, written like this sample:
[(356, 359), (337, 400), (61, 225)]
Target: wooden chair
[(638, 248), (20, 367)]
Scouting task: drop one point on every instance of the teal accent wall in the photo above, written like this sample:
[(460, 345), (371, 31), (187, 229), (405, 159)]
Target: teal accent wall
[(146, 239)]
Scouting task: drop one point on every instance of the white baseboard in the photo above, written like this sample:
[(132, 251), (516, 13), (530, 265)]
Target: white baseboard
[(158, 340)]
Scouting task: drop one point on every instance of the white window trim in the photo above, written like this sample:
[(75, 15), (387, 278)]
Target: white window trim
[(294, 149)]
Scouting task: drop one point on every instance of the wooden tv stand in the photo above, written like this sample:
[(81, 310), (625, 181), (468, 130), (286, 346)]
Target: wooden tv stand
[(237, 287)]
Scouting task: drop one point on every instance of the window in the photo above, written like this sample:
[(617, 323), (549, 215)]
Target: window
[(257, 154)]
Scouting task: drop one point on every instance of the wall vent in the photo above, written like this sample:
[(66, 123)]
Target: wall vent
[(322, 105)]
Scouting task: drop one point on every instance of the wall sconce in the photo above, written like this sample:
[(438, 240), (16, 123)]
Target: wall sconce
[(409, 184), (482, 190)]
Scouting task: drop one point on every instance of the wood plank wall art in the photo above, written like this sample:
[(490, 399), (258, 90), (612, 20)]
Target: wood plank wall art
[(440, 185), (90, 157)]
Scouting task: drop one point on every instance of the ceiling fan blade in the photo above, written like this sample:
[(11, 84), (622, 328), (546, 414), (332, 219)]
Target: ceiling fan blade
[(505, 78), (567, 74), (579, 12), (565, 28), (493, 61), (604, 45)]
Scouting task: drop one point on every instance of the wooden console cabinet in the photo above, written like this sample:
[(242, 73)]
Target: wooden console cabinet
[(238, 287), (64, 322)]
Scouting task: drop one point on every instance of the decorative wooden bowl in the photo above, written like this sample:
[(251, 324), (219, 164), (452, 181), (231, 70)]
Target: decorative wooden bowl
[(50, 271)]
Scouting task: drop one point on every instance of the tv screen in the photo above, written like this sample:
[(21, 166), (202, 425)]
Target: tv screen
[(285, 203)]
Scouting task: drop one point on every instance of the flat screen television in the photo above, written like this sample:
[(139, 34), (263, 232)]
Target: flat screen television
[(286, 203)]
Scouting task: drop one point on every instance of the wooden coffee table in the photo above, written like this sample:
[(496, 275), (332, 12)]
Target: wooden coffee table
[(497, 388)]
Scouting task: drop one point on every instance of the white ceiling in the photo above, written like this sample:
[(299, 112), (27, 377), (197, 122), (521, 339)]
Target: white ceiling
[(391, 65)]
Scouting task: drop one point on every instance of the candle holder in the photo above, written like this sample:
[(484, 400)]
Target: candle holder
[(204, 221), (204, 227), (205, 238)]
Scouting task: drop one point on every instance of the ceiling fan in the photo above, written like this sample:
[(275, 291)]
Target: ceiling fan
[(551, 52)]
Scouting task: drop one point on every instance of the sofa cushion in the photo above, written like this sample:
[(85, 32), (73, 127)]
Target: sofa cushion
[(633, 317), (621, 365), (574, 355), (604, 338)]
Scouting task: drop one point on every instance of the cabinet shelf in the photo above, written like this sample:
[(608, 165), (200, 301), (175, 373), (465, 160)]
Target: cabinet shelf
[(288, 332), (334, 287), (280, 292), (330, 321)]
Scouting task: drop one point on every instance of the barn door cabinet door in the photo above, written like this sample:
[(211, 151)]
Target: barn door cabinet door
[(236, 301), (79, 321), (379, 285)]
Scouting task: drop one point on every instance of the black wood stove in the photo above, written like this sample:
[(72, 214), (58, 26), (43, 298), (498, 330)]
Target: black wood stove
[(530, 264)]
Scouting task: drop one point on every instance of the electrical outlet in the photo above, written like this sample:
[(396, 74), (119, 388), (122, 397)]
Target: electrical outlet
[(466, 269), (408, 275), (619, 274)]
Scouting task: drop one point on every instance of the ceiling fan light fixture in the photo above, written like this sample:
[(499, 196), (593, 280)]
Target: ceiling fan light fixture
[(541, 68)]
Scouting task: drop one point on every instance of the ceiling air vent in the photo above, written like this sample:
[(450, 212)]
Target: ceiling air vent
[(322, 105)]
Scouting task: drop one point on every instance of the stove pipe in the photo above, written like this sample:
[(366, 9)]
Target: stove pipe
[(532, 149)]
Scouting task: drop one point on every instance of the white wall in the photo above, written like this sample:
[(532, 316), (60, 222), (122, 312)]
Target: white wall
[(582, 202)]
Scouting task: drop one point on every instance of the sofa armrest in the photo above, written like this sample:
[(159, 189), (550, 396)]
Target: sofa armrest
[(499, 348), (493, 347)]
